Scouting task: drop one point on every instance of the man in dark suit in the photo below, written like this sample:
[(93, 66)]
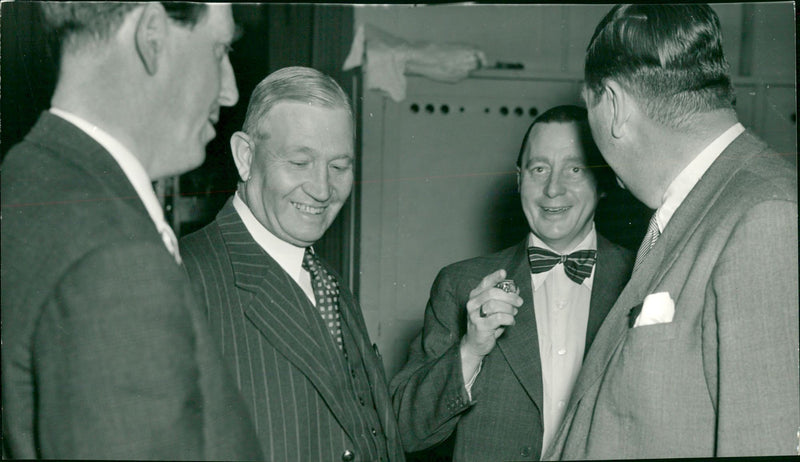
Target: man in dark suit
[(495, 367), (699, 355), (294, 338), (105, 354)]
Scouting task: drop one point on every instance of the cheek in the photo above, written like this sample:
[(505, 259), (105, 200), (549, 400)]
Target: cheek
[(587, 193), (529, 191), (343, 185)]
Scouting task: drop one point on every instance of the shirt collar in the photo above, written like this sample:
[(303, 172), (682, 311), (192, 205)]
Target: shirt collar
[(686, 180), (129, 164), (288, 256), (588, 243)]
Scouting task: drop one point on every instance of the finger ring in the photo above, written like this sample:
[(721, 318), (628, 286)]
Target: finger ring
[(482, 313), (507, 285)]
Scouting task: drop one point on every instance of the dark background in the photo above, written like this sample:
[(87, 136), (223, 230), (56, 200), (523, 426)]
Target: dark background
[(273, 36)]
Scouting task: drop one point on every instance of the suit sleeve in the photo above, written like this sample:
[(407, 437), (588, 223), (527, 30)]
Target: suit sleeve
[(115, 360), (755, 289), (428, 393)]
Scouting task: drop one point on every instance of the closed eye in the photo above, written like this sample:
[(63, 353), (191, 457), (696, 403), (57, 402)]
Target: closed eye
[(342, 167)]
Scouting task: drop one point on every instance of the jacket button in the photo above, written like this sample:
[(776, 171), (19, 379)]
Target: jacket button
[(348, 456), (374, 432), (361, 400), (353, 373), (525, 451)]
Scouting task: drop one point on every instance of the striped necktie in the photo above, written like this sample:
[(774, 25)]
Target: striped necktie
[(578, 265), (326, 292), (170, 241), (648, 242)]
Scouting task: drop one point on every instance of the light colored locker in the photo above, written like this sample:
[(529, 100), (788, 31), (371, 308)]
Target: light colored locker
[(445, 190)]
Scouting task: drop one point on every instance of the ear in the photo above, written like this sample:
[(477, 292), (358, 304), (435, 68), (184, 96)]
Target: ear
[(620, 106), (519, 179), (242, 154), (151, 31)]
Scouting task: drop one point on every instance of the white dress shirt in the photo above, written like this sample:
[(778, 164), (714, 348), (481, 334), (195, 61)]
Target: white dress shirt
[(135, 173), (562, 312), (686, 180), (288, 256)]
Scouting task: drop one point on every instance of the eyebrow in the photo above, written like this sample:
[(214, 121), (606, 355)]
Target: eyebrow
[(306, 150), (576, 159)]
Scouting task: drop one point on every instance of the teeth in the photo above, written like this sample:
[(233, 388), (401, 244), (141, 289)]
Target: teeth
[(308, 209), (554, 209)]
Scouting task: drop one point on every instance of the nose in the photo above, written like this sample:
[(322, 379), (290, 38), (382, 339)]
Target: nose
[(318, 186), (228, 93), (554, 187)]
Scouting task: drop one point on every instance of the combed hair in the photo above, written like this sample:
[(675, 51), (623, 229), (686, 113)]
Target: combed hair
[(296, 83), (602, 173), (668, 56), (75, 24)]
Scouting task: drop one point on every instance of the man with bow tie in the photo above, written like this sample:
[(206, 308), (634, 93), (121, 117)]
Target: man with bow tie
[(292, 335), (494, 366)]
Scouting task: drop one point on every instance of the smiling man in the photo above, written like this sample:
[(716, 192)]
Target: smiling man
[(293, 337), (105, 355), (497, 368)]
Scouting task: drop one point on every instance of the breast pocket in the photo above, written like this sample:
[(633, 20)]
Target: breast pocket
[(652, 367)]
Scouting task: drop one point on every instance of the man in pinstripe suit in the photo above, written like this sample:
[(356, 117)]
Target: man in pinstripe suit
[(316, 388)]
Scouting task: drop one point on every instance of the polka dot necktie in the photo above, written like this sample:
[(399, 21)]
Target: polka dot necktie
[(326, 291)]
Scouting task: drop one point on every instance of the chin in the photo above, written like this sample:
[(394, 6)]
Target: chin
[(190, 160)]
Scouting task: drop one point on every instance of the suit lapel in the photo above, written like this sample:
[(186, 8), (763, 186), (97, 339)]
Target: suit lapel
[(520, 342), (280, 310), (661, 257), (609, 276), (89, 156)]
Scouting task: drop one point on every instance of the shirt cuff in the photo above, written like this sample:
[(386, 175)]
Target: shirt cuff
[(471, 381)]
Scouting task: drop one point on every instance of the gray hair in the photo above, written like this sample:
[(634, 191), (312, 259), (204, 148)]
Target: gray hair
[(296, 83)]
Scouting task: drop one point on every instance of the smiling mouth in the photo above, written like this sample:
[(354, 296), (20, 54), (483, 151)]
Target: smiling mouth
[(555, 209), (308, 208)]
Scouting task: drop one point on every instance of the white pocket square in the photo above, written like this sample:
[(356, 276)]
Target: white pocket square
[(657, 308)]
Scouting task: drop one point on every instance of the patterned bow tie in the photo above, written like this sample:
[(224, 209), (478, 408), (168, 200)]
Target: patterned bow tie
[(577, 265)]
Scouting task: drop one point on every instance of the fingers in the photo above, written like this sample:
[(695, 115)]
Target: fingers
[(493, 297), (496, 308), (501, 320), (489, 311), (488, 281)]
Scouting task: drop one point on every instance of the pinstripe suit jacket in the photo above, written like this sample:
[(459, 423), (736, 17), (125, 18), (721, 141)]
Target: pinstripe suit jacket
[(292, 375), (504, 419)]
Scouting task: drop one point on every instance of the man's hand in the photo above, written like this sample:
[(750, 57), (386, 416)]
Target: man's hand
[(498, 309)]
